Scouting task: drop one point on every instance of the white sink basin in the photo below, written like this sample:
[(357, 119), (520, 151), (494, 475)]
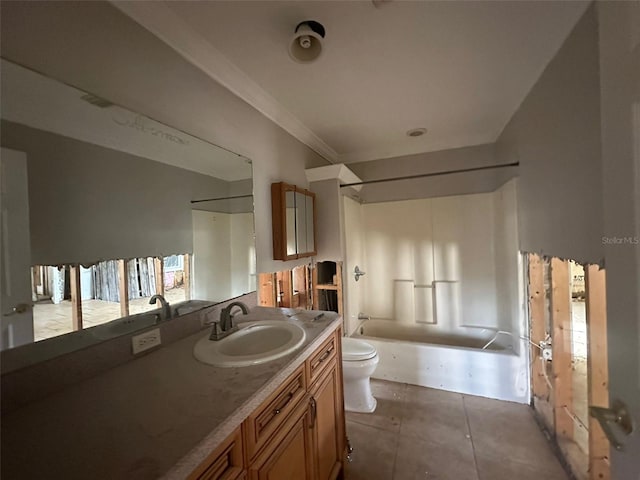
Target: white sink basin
[(254, 343)]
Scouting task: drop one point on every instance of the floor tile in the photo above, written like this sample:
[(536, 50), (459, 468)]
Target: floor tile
[(388, 413), (374, 452), (416, 394), (434, 416), (507, 430), (447, 436), (417, 459), (490, 468)]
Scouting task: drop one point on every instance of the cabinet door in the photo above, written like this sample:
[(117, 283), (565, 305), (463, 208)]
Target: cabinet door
[(326, 425), (224, 463), (291, 458), (301, 223), (291, 216)]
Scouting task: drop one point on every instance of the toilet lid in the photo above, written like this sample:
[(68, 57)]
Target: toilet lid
[(353, 350)]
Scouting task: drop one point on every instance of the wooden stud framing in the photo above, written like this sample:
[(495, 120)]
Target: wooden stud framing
[(301, 295), (187, 276), (538, 326), (123, 287), (159, 274), (597, 366), (76, 297), (37, 277), (315, 298), (339, 285), (284, 288), (561, 340), (267, 289)]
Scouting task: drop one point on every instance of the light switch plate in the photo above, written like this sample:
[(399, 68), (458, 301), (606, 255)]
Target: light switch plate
[(146, 340)]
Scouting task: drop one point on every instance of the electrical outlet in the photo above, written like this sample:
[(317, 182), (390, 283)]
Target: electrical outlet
[(145, 341), (546, 350)]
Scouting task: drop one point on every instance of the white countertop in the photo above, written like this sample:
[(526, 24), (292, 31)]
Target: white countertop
[(157, 416)]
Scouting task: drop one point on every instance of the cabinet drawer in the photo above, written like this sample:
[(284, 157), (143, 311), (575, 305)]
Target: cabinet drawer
[(224, 463), (320, 359), (264, 422)]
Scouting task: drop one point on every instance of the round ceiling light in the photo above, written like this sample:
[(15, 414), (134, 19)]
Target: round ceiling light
[(416, 132), (306, 44)]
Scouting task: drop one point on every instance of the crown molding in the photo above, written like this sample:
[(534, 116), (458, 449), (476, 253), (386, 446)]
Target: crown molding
[(171, 29)]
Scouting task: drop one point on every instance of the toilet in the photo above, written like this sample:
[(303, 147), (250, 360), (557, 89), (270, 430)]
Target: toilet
[(359, 361)]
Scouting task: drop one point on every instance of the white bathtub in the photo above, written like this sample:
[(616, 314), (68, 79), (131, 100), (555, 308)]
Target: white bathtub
[(412, 354)]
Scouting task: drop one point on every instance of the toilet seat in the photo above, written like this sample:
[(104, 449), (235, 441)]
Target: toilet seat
[(356, 350)]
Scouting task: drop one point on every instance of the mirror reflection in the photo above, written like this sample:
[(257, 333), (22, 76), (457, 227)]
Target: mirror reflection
[(103, 208)]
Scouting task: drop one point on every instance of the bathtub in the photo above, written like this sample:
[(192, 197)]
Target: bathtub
[(414, 354)]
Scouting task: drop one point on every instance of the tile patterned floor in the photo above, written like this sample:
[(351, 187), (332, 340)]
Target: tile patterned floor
[(421, 433)]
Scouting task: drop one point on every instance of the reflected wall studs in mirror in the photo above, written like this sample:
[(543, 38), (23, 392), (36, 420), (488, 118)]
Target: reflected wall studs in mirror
[(294, 222), (114, 236)]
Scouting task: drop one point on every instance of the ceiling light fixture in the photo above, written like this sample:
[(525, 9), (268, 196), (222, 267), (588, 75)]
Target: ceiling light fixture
[(416, 132), (306, 44)]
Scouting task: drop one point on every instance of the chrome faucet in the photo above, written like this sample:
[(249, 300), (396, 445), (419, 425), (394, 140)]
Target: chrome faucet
[(225, 326), (165, 313)]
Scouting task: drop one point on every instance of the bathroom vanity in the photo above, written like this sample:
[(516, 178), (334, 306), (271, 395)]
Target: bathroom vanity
[(166, 415), (297, 432)]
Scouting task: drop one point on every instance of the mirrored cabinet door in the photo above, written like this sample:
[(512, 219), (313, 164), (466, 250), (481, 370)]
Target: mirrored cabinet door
[(310, 222), (301, 220), (293, 217)]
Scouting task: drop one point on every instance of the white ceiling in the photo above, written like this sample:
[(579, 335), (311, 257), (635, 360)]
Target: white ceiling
[(459, 69)]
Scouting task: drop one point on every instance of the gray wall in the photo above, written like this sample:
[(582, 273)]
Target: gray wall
[(619, 24), (555, 134), (328, 212), (432, 162), (97, 48), (90, 203)]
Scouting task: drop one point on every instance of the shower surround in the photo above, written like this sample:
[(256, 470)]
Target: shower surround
[(443, 298)]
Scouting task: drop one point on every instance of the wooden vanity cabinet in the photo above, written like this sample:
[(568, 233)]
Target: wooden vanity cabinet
[(298, 433), (225, 463), (288, 456), (328, 424)]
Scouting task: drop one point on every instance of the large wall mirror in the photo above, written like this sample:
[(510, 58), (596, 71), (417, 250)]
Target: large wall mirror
[(94, 194)]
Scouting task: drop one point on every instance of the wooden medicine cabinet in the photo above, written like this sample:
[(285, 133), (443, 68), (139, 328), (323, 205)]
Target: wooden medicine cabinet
[(294, 221)]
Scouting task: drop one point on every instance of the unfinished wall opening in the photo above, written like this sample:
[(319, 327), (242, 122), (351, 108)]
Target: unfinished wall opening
[(286, 289), (68, 298), (567, 315), (317, 286)]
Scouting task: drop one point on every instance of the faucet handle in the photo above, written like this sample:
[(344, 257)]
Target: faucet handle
[(216, 330)]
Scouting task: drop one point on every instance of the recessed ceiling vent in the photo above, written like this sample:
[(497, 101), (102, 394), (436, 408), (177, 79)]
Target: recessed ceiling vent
[(416, 132), (97, 101)]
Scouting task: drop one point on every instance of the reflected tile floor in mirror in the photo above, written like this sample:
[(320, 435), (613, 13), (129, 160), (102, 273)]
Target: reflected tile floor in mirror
[(423, 433), (52, 320)]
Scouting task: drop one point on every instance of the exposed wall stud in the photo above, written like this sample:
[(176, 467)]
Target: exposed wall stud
[(123, 287), (561, 340), (267, 289), (76, 297), (538, 327), (187, 276), (597, 367), (159, 274), (284, 288)]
